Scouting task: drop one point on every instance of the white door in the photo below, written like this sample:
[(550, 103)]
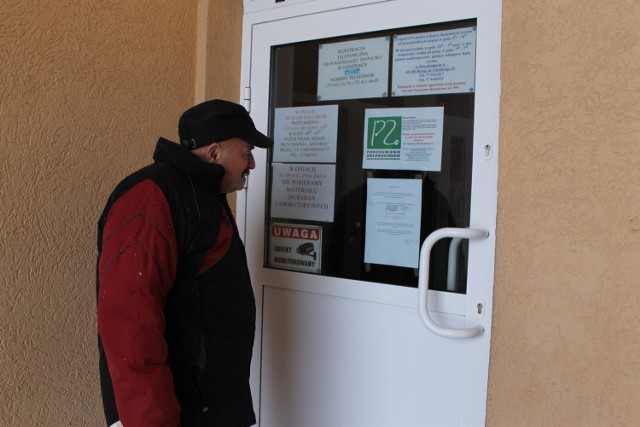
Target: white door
[(347, 333)]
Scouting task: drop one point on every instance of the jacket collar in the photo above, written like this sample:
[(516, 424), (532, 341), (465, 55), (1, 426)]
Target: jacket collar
[(209, 175)]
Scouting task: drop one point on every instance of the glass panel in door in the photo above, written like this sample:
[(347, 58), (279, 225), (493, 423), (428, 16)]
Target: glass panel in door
[(325, 97)]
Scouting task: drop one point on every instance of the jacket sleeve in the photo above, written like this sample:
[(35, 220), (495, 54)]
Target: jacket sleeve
[(136, 270)]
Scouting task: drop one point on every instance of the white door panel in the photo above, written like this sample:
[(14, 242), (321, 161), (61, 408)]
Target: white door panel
[(332, 360)]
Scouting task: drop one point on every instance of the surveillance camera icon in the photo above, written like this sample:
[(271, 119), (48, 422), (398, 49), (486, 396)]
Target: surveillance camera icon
[(307, 249)]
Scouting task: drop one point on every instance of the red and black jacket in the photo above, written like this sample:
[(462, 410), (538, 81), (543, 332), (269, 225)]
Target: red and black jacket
[(176, 312)]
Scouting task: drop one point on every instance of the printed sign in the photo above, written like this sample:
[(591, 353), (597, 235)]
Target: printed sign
[(296, 247), (306, 134), (403, 138), (303, 191), (393, 222), (434, 62), (353, 69)]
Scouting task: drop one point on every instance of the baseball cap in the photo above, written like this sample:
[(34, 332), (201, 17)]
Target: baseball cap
[(218, 120)]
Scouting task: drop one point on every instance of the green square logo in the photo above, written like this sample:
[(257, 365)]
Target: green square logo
[(384, 133)]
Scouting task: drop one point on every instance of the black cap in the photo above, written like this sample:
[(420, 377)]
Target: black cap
[(218, 120)]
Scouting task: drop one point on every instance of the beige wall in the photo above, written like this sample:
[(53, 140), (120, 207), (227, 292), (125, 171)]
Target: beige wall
[(86, 88), (565, 349)]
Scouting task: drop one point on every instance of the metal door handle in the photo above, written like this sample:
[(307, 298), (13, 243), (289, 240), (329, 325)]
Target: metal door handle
[(423, 280)]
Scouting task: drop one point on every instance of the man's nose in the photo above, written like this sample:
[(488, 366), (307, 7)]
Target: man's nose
[(252, 162)]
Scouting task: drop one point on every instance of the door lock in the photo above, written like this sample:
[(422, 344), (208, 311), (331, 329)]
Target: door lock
[(487, 151)]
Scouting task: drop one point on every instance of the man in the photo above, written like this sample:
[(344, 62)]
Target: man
[(176, 312)]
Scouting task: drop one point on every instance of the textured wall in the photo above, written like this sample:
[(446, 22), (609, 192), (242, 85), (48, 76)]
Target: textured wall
[(565, 348), (86, 87), (224, 50)]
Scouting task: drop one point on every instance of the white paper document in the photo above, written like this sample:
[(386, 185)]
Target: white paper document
[(353, 69), (306, 134), (303, 191), (434, 62), (392, 235)]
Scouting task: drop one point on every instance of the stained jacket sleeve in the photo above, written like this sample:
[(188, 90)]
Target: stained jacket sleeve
[(136, 270)]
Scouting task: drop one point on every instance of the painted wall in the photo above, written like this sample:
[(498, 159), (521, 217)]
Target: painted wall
[(565, 349), (87, 87)]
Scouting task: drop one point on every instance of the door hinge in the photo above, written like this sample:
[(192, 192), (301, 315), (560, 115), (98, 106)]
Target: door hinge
[(246, 98)]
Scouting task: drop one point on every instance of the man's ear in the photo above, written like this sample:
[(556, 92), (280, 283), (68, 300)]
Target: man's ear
[(213, 153)]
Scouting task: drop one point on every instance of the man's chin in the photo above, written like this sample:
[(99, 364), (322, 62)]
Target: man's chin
[(241, 186), (233, 189)]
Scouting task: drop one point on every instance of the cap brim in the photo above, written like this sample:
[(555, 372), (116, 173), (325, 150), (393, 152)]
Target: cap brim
[(257, 139)]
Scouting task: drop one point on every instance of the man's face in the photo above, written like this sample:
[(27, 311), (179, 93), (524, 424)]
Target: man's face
[(235, 156)]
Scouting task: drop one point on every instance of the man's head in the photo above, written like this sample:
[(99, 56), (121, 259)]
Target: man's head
[(222, 132), (235, 156)]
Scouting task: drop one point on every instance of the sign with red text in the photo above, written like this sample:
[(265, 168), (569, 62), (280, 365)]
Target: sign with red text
[(295, 247), (306, 134), (303, 191)]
